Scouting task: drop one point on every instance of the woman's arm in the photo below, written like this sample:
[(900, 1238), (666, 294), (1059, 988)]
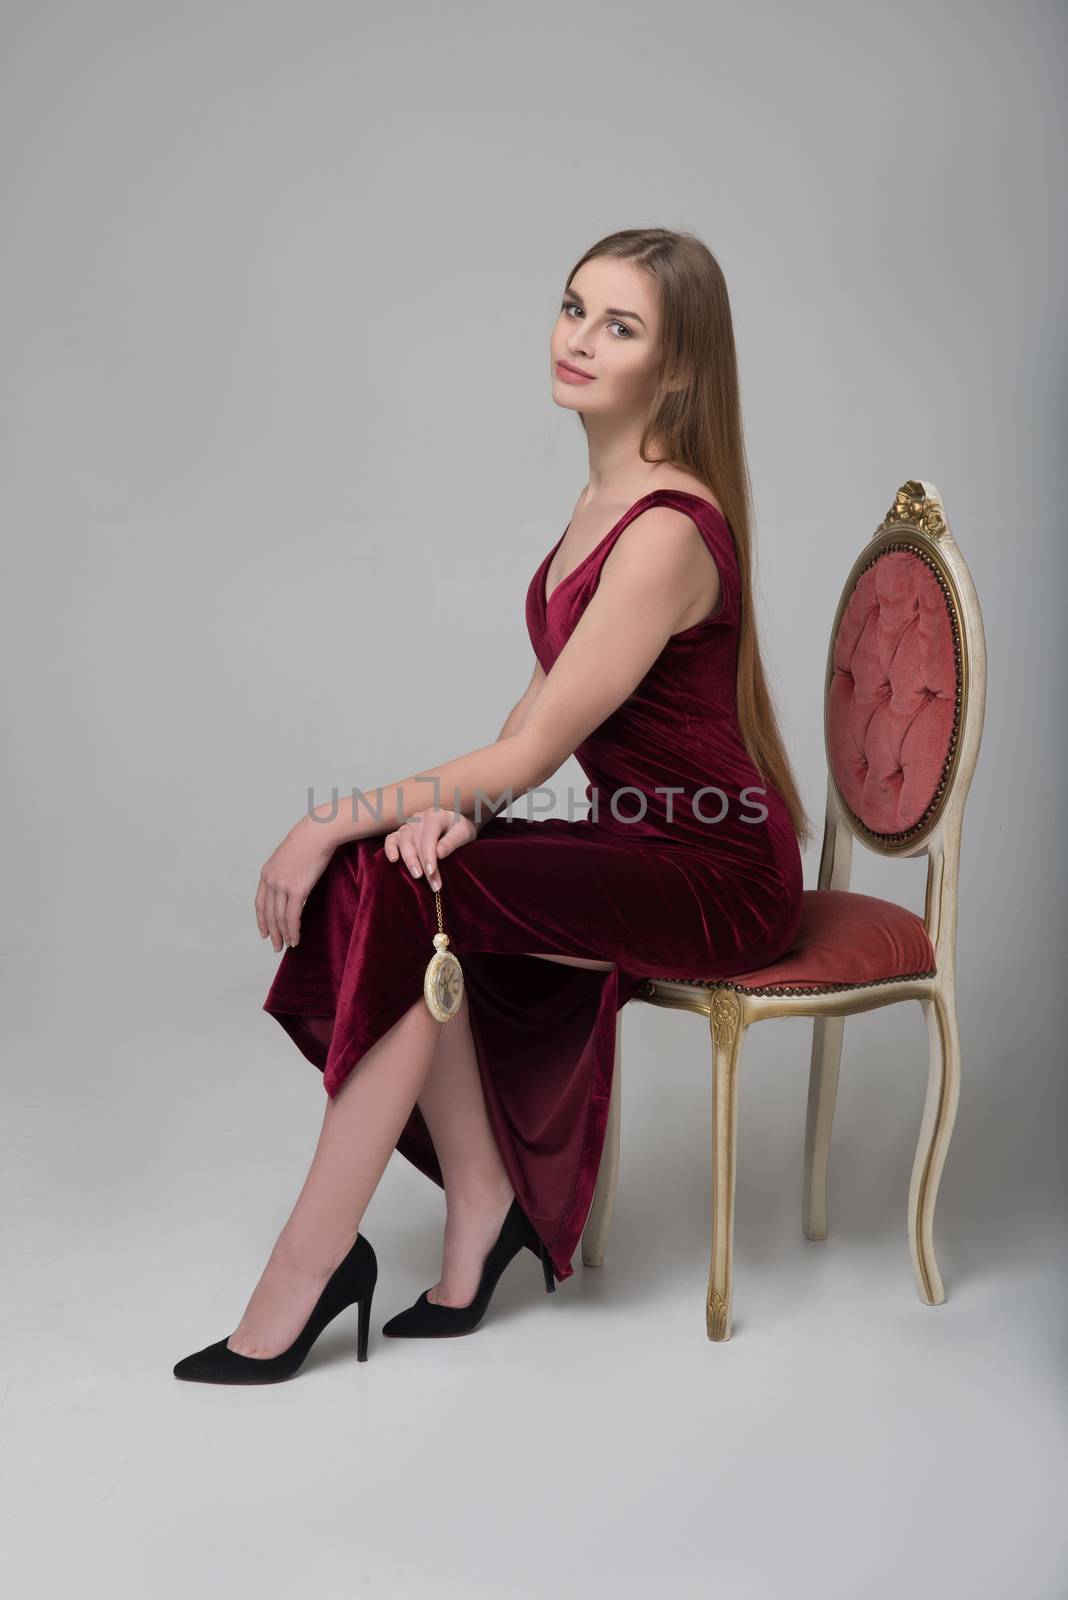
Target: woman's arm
[(488, 758), (512, 724), (647, 585), (517, 716)]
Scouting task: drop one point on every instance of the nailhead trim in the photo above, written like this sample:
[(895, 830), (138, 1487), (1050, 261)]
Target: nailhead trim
[(649, 987), (936, 799)]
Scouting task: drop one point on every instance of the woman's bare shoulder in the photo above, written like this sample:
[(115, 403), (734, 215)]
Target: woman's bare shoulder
[(676, 478)]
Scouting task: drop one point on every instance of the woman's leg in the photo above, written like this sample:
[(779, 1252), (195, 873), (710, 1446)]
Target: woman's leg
[(360, 1131), (477, 1190)]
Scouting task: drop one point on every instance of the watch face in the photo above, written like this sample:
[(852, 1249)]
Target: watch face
[(446, 983)]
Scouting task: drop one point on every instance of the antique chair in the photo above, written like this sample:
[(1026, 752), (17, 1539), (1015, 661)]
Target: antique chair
[(904, 700)]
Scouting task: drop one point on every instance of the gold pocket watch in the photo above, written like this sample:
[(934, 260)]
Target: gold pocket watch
[(443, 981)]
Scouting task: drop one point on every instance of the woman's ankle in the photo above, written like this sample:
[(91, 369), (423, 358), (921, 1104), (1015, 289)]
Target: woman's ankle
[(311, 1256)]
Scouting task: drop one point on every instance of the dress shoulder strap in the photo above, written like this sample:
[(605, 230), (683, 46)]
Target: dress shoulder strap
[(714, 529)]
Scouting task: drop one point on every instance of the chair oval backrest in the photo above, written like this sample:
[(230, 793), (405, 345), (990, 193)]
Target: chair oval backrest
[(896, 685)]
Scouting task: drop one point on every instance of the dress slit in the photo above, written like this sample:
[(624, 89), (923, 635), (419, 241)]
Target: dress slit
[(543, 1031)]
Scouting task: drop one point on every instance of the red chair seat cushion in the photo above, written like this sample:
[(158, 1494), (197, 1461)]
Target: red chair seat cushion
[(845, 939)]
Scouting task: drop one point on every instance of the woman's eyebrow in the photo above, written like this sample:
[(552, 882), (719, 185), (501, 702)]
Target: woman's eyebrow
[(610, 311)]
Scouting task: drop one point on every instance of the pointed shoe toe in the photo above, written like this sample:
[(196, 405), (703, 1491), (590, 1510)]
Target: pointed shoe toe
[(426, 1319), (352, 1283), (217, 1363), (418, 1320)]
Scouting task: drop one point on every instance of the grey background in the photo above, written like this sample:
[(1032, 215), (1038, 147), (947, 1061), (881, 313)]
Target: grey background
[(279, 459)]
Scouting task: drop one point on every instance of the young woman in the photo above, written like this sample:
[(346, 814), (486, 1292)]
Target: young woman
[(688, 863)]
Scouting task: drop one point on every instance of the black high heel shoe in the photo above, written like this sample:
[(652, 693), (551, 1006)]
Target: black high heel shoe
[(353, 1280), (428, 1320)]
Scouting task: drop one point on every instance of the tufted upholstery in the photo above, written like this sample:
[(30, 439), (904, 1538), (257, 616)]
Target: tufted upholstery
[(844, 939), (892, 698)]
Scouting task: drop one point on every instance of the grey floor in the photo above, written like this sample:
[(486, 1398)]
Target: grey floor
[(846, 1440)]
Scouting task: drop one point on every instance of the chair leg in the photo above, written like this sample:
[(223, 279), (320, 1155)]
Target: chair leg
[(936, 1128), (822, 1093), (595, 1233), (728, 1034)]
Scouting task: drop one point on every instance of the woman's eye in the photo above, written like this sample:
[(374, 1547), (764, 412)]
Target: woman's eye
[(570, 305)]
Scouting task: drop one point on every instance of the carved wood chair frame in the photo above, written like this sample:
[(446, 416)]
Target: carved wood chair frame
[(916, 522)]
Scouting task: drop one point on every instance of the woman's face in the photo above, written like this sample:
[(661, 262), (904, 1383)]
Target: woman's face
[(609, 329)]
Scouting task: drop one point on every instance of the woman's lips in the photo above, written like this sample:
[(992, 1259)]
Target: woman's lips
[(569, 375)]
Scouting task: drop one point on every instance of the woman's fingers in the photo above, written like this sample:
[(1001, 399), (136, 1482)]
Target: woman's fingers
[(294, 907), (430, 835), (435, 827), (278, 908), (409, 849), (268, 917), (278, 913), (286, 881), (460, 831), (401, 846), (413, 842)]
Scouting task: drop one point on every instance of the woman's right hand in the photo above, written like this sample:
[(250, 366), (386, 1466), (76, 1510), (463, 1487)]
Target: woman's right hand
[(426, 837)]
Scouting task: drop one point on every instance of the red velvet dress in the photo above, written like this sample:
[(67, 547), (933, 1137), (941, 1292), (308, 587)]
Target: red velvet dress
[(648, 885)]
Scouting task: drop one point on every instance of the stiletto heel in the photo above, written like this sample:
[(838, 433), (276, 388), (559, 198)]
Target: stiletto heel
[(547, 1268), (428, 1320), (352, 1282), (363, 1328)]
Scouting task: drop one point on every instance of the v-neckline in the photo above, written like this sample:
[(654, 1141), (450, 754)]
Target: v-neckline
[(547, 599)]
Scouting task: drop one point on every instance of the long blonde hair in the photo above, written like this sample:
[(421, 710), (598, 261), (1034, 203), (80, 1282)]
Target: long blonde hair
[(696, 419)]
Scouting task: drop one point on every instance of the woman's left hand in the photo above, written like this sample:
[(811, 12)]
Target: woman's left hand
[(287, 879)]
